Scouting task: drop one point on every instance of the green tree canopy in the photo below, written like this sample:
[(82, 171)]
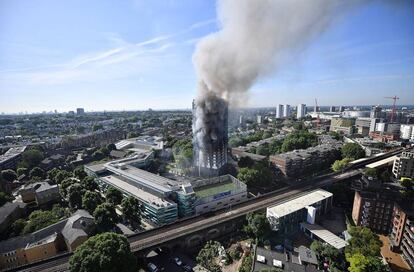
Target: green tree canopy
[(31, 158), (106, 252), (8, 175), (66, 184), (207, 254), (105, 217), (74, 195), (40, 219), (340, 165), (111, 147), (79, 173), (130, 209), (113, 196), (91, 200), (51, 174), (37, 173), (21, 171), (361, 263), (257, 225), (5, 198), (245, 162), (299, 140), (363, 241), (89, 183), (353, 151), (61, 176), (371, 172), (236, 141)]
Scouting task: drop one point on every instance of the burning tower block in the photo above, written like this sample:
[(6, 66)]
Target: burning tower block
[(210, 130)]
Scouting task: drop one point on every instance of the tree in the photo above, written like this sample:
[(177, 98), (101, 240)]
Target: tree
[(299, 140), (65, 185), (257, 225), (246, 265), (130, 209), (353, 151), (5, 198), (21, 171), (89, 183), (39, 220), (248, 176), (18, 227), (361, 263), (207, 255), (51, 174), (105, 217), (371, 172), (335, 135), (74, 195), (340, 165), (258, 176), (79, 173), (8, 175), (91, 200), (113, 196), (363, 241), (62, 175), (106, 252), (37, 173), (245, 162), (111, 147), (236, 141), (31, 158), (263, 150)]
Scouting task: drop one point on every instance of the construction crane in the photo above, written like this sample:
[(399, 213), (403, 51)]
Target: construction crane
[(394, 109)]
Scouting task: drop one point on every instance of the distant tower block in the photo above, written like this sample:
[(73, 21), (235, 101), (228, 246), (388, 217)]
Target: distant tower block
[(210, 156)]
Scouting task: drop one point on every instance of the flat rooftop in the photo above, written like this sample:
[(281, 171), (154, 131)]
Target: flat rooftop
[(325, 235), (214, 189), (12, 152), (143, 178), (299, 203), (135, 191)]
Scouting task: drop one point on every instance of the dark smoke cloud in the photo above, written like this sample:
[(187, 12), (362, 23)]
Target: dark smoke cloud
[(254, 36)]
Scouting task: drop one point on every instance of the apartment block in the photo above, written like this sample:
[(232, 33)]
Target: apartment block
[(404, 165), (300, 162), (373, 210), (343, 125)]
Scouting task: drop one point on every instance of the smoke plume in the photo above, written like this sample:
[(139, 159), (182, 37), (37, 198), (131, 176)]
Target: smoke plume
[(254, 36)]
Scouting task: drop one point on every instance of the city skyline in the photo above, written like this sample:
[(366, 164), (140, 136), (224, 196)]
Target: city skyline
[(126, 60)]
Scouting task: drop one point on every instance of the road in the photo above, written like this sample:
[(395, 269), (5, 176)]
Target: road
[(163, 234)]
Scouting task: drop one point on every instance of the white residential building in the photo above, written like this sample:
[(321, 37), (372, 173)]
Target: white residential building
[(286, 110), (301, 111), (279, 111), (404, 165)]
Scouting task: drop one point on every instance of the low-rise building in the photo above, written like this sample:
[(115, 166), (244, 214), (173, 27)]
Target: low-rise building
[(286, 217), (40, 192), (373, 210), (304, 161), (343, 125), (404, 165), (12, 157), (407, 245), (164, 200), (301, 259), (63, 236), (10, 212)]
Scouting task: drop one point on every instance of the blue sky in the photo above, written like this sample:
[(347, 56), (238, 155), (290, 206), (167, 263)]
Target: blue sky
[(136, 54)]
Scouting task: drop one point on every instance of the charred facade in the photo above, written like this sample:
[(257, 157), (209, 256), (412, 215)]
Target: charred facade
[(210, 135)]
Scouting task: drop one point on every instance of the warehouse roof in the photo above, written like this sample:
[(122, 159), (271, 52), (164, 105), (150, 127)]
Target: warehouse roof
[(299, 203), (325, 235)]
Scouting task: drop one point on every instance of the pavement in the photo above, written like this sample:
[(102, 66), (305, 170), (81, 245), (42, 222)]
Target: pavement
[(395, 260)]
